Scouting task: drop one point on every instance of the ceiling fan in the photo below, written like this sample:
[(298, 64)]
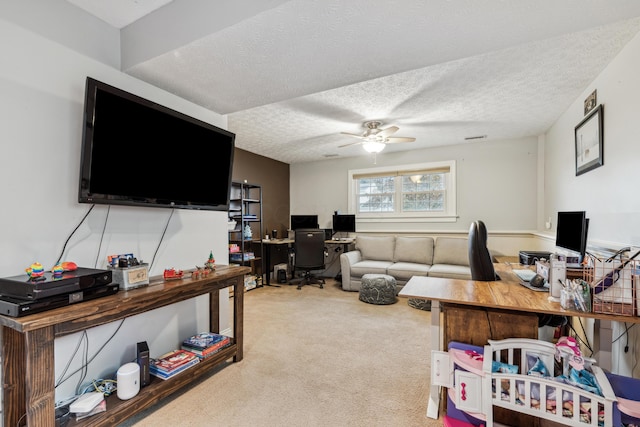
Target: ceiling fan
[(375, 139)]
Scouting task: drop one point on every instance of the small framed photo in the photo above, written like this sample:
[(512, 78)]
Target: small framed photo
[(589, 142), (591, 102)]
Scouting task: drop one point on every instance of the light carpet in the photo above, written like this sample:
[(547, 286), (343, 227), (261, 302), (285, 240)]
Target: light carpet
[(313, 357)]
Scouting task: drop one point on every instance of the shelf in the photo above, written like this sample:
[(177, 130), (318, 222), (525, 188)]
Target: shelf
[(119, 410), (246, 210), (248, 261), (29, 384)]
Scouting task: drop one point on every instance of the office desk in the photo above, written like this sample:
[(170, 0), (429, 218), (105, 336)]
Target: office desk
[(270, 244), (503, 300), (341, 246), (344, 242)]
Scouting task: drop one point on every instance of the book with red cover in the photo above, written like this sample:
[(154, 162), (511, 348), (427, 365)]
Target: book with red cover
[(166, 375), (172, 360), (213, 348)]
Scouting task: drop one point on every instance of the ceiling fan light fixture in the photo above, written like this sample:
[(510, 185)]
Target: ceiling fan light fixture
[(373, 146)]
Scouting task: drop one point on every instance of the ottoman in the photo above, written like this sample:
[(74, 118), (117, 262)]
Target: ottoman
[(378, 289), (420, 304)]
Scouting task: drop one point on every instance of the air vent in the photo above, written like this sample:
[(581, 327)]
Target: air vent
[(469, 138)]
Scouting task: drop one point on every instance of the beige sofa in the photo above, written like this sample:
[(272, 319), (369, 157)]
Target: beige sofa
[(403, 257)]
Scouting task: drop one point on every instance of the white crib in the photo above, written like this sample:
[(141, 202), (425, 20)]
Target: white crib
[(475, 389)]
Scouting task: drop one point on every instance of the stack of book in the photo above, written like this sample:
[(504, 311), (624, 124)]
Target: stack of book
[(206, 344), (172, 363)]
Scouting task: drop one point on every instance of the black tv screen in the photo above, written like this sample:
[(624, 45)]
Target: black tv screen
[(344, 223), (299, 222), (571, 231), (139, 153)]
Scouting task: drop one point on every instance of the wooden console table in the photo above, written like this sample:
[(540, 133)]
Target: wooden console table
[(28, 346)]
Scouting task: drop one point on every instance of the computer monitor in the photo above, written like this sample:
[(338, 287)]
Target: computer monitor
[(304, 221), (344, 223), (571, 232)]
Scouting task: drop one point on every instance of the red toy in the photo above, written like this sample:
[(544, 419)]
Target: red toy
[(172, 274), (199, 272), (69, 266)]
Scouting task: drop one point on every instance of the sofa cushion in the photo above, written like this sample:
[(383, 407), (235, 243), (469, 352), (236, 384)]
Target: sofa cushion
[(417, 250), (403, 271), (377, 248), (450, 271), (361, 268), (451, 250)]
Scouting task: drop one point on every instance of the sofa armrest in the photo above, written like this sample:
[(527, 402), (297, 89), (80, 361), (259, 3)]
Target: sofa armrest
[(347, 259)]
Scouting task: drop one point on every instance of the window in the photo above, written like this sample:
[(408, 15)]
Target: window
[(422, 192)]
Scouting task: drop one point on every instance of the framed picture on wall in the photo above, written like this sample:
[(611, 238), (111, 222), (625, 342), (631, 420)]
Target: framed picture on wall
[(589, 142), (590, 102)]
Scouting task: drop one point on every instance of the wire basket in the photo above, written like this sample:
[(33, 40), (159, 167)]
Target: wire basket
[(613, 283)]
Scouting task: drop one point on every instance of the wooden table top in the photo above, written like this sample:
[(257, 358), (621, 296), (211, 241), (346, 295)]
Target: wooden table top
[(506, 293), (277, 241)]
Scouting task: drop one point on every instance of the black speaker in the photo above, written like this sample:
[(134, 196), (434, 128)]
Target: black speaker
[(142, 357), (282, 276)]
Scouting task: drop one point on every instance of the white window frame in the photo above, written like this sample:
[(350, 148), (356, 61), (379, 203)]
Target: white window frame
[(450, 214)]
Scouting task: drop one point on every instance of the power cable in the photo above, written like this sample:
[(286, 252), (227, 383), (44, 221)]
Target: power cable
[(104, 227), (88, 361), (73, 232), (161, 239)]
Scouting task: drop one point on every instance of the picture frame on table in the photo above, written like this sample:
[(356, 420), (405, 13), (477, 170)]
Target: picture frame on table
[(589, 141)]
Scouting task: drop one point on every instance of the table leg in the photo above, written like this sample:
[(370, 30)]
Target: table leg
[(214, 311), (267, 256), (238, 315), (604, 340), (268, 260), (434, 391), (28, 392)]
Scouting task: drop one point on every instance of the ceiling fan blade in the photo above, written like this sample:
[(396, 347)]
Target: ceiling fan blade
[(352, 134), (388, 131), (347, 145), (394, 140)]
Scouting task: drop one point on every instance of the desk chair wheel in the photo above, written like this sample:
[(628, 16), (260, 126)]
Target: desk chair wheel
[(309, 279)]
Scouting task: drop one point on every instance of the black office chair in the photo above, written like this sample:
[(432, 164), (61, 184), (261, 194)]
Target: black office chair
[(480, 260), (309, 254), (482, 269)]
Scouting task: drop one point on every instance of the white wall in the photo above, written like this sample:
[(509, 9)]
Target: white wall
[(496, 180), (42, 85), (607, 193)]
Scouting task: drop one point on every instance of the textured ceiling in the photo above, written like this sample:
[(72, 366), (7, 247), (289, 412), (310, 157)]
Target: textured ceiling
[(292, 75)]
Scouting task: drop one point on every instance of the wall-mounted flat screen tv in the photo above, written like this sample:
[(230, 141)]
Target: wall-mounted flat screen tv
[(344, 223), (139, 153)]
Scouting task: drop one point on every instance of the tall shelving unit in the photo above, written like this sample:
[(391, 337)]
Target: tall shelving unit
[(245, 207)]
